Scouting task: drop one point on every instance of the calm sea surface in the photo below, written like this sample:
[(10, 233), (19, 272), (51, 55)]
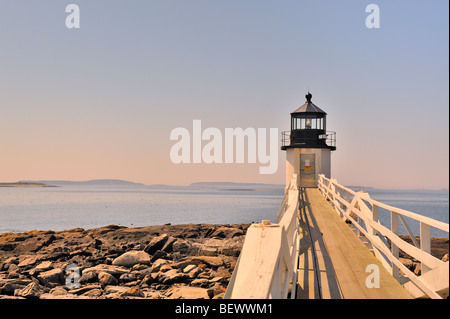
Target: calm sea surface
[(66, 207)]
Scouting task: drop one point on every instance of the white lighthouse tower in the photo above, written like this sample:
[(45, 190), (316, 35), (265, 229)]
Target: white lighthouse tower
[(308, 145)]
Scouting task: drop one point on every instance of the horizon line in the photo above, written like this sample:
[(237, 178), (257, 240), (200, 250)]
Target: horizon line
[(216, 182)]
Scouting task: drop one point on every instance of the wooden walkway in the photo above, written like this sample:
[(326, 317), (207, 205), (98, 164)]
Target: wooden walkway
[(333, 260)]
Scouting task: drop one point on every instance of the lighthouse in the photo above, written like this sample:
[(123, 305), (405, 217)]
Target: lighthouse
[(308, 145)]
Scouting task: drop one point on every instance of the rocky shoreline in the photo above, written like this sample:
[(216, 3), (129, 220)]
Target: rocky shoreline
[(115, 262), (190, 261)]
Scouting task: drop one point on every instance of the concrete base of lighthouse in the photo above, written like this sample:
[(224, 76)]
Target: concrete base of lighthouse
[(307, 163)]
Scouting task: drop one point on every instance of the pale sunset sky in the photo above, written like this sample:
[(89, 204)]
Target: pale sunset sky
[(101, 101)]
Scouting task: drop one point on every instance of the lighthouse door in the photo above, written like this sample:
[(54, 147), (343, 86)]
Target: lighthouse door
[(307, 170)]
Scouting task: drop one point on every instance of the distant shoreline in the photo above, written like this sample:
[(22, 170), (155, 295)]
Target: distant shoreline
[(22, 184)]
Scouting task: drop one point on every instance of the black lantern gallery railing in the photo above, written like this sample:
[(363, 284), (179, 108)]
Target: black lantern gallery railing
[(328, 139)]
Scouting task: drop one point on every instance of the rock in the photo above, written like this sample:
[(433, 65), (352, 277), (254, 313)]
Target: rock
[(68, 296), (159, 254), (222, 272), (106, 279), (32, 291), (54, 276), (97, 242), (132, 258), (187, 292), (219, 296), (200, 282), (189, 268), (168, 246), (216, 279), (172, 276), (194, 272), (130, 277), (114, 290), (233, 246), (418, 269), (180, 246), (58, 291), (13, 268), (28, 260), (159, 262), (133, 292), (165, 268), (156, 244), (208, 251), (82, 290), (408, 263), (12, 260), (211, 261), (111, 269), (7, 246), (93, 293), (150, 278), (88, 277), (10, 288), (10, 297)]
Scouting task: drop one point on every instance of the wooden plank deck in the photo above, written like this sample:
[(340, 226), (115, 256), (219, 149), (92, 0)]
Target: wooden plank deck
[(333, 260)]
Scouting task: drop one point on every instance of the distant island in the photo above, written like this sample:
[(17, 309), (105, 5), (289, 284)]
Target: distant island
[(94, 182), (26, 184)]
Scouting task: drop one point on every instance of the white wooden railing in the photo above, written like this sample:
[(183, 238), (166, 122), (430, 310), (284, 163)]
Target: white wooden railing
[(363, 212), (268, 262)]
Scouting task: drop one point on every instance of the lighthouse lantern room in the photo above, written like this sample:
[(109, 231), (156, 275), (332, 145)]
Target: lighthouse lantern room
[(308, 145)]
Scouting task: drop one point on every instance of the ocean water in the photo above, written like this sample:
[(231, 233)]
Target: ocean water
[(66, 207)]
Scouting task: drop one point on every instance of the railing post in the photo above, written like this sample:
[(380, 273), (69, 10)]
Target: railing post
[(425, 244), (374, 218), (394, 249)]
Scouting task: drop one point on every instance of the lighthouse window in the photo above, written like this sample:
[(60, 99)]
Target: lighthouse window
[(308, 124), (302, 124), (319, 124), (313, 125)]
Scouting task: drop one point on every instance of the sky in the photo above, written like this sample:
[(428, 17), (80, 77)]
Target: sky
[(100, 101)]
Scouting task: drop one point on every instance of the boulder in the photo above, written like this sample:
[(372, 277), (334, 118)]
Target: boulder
[(172, 276), (106, 279), (157, 243), (28, 260), (111, 269), (209, 260), (408, 263), (208, 251), (93, 293), (58, 291), (10, 288), (133, 292), (188, 268), (187, 292), (54, 276), (114, 290), (168, 246), (88, 277), (124, 278), (200, 282), (159, 254), (32, 291), (43, 266), (132, 258), (83, 290)]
